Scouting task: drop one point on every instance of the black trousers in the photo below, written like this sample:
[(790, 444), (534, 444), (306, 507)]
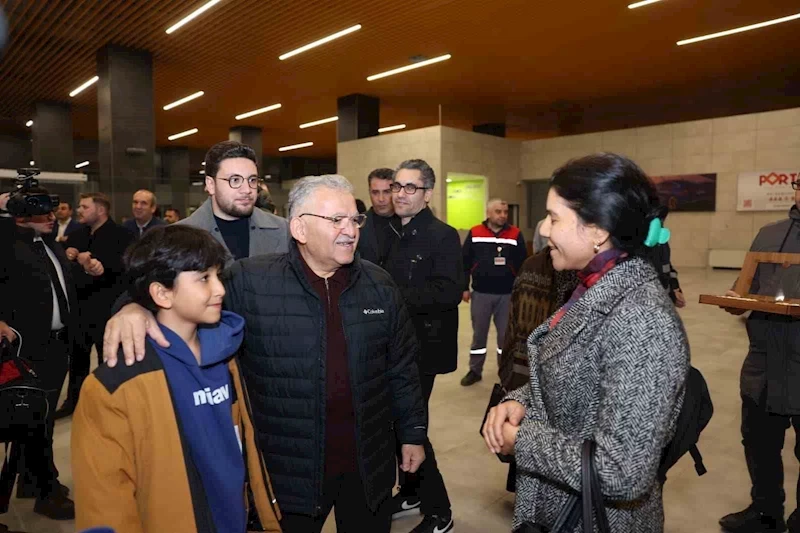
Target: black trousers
[(763, 436), (345, 494), (91, 334), (38, 466), (426, 483)]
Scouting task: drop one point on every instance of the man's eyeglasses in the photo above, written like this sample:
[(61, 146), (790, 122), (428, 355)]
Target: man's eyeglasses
[(341, 221), (410, 188), (796, 185), (236, 181)]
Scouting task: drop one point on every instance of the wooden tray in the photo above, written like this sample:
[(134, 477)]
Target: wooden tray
[(752, 304)]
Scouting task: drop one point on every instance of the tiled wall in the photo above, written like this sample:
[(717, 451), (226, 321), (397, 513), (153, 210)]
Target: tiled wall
[(356, 159), (727, 146)]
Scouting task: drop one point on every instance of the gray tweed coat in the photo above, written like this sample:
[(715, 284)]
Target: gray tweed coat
[(613, 370)]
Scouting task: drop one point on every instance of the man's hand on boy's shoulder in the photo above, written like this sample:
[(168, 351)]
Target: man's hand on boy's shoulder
[(128, 329)]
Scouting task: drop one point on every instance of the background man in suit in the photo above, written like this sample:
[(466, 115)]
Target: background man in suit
[(66, 224), (39, 301), (377, 234), (144, 213)]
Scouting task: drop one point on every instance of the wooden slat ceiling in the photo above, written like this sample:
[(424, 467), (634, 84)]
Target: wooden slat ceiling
[(510, 57)]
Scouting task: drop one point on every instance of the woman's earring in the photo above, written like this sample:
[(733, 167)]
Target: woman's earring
[(596, 248)]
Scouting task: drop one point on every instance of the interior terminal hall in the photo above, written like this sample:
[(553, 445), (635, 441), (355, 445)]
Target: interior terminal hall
[(418, 266)]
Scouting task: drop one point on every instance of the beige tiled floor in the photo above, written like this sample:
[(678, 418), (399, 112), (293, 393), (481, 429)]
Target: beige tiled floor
[(476, 480)]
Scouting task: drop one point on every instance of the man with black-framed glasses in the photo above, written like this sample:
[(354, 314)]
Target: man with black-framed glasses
[(425, 262), (232, 183)]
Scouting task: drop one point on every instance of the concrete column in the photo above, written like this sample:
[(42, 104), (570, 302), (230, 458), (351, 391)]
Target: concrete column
[(126, 118), (359, 117), (173, 189), (250, 136), (52, 137)]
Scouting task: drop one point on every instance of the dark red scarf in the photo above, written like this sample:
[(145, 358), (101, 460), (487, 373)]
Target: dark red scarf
[(590, 275)]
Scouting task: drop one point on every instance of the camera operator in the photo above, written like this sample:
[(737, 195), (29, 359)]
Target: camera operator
[(97, 249), (40, 302)]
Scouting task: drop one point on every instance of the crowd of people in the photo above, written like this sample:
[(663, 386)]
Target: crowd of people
[(257, 372)]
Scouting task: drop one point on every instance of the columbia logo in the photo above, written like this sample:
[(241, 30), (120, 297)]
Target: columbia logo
[(215, 397), (374, 311)]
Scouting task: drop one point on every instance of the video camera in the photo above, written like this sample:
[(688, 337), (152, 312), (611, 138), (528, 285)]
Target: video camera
[(23, 202)]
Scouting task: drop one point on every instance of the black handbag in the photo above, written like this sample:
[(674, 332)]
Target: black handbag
[(498, 393), (23, 400), (591, 498)]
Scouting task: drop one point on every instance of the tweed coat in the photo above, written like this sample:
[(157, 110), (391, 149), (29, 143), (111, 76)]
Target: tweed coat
[(613, 370)]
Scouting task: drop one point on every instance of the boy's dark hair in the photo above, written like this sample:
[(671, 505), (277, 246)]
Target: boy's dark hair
[(226, 150), (164, 252)]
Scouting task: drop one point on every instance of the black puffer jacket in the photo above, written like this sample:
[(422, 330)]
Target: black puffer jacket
[(283, 363)]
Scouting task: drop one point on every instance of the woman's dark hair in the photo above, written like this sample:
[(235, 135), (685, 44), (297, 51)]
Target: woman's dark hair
[(613, 193), (164, 252)]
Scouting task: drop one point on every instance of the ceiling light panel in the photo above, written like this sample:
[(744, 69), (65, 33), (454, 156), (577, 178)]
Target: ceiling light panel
[(194, 14), (318, 122), (29, 123), (643, 3), (294, 147), (412, 66), (183, 134), (322, 41), (739, 30), (84, 86), (392, 128), (189, 98), (83, 164), (258, 111)]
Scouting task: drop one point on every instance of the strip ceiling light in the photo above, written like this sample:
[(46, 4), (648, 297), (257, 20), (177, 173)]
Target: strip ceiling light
[(80, 89), (83, 164), (392, 128), (29, 123), (324, 40), (194, 14), (183, 134), (189, 98), (294, 147), (409, 67), (642, 3), (318, 122), (258, 111), (739, 30)]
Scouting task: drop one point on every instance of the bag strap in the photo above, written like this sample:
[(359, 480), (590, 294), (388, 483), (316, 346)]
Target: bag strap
[(592, 495)]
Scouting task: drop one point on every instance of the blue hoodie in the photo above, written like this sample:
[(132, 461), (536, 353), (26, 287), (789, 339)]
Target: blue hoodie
[(203, 397)]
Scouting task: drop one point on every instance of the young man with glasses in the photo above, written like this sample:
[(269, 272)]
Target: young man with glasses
[(425, 262), (229, 214)]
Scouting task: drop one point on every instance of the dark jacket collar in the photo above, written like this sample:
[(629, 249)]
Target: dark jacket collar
[(299, 266), (420, 219)]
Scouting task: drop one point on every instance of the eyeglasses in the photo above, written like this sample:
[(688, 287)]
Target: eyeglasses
[(796, 185), (340, 221), (410, 188), (236, 181)]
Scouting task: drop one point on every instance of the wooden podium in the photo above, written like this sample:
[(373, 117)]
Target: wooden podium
[(777, 304)]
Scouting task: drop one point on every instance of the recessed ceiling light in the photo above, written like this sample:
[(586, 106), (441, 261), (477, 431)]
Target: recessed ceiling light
[(739, 30), (642, 3), (203, 163), (257, 111), (80, 89), (324, 40), (409, 67), (202, 172), (294, 147), (31, 163), (189, 98), (392, 128), (83, 164), (197, 12), (318, 122), (29, 123), (183, 134), (448, 180)]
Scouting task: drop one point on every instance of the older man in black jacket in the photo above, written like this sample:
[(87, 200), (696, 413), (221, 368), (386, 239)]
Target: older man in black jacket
[(329, 358), (425, 261), (39, 301)]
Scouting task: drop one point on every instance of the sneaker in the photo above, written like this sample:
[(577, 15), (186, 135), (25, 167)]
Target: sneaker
[(751, 520), (404, 506), (434, 524), (470, 379), (56, 507)]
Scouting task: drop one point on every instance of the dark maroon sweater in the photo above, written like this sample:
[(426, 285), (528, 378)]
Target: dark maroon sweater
[(340, 420)]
